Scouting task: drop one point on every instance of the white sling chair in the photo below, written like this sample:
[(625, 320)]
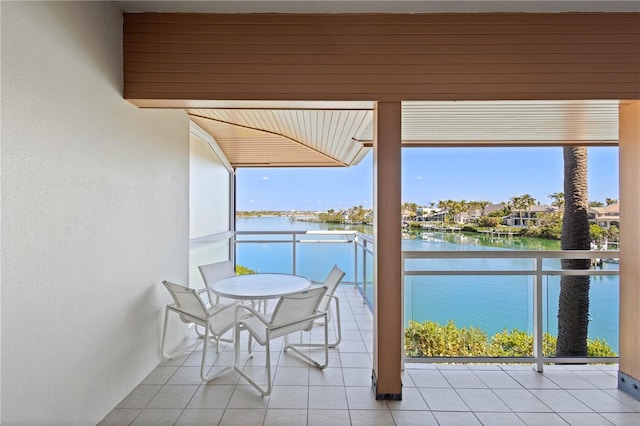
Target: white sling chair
[(331, 282), (292, 313), (216, 271), (216, 320)]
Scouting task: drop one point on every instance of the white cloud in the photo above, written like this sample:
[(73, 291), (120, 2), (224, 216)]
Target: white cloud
[(265, 178), (254, 201), (419, 177)]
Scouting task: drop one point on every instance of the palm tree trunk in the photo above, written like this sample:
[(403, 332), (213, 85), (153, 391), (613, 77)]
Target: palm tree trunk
[(573, 308)]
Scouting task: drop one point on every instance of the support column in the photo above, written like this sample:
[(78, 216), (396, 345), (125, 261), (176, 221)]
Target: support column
[(387, 317), (629, 134)]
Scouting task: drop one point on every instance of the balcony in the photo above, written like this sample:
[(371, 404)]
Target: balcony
[(433, 394), (474, 389)]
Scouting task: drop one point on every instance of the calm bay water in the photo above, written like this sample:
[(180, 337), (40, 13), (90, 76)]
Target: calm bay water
[(491, 303)]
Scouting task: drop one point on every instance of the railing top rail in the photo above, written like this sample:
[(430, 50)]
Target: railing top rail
[(293, 233), (302, 231), (512, 254)]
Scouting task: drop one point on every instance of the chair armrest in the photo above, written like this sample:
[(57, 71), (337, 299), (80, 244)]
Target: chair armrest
[(251, 312), (313, 317)]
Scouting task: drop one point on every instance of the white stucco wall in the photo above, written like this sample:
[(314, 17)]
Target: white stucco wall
[(94, 216), (208, 191), (209, 210)]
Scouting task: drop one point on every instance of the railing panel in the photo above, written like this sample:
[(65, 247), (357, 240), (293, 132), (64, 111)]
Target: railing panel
[(496, 290), (266, 257), (604, 302), (489, 304), (315, 260)]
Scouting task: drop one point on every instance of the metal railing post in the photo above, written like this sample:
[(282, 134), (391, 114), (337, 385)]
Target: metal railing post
[(355, 261), (537, 316), (364, 273), (293, 245)]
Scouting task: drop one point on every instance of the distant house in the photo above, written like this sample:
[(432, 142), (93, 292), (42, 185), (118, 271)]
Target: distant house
[(407, 215), (422, 213), (528, 217), (436, 215), (605, 217), (492, 208)]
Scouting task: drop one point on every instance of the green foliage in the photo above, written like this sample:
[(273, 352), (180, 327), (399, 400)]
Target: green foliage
[(431, 339), (519, 343), (410, 207), (243, 270), (489, 221), (531, 231), (599, 347), (613, 232), (240, 213), (550, 225), (596, 233), (468, 227), (331, 216)]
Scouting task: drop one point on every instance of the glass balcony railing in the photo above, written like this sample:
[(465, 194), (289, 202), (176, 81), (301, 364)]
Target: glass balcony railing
[(502, 305), (311, 254), (483, 306)]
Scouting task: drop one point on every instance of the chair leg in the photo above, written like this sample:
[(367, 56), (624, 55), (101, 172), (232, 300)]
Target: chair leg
[(203, 364), (337, 324), (295, 348), (236, 367), (200, 335), (176, 353)]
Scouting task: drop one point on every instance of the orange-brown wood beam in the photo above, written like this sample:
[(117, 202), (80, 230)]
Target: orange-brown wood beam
[(387, 318), (184, 60), (629, 374)]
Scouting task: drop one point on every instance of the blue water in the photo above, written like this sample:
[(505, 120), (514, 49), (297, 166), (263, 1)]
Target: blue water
[(491, 303)]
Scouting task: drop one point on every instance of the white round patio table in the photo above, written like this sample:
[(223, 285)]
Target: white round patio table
[(260, 286)]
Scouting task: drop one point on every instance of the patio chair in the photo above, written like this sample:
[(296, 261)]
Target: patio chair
[(331, 282), (292, 313), (215, 319), (216, 271), (213, 272)]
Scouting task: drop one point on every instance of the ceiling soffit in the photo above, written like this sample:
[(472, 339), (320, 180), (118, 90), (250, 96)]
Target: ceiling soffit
[(507, 123), (286, 137), (276, 136)]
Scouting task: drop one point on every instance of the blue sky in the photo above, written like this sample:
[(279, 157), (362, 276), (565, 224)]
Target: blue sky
[(428, 174)]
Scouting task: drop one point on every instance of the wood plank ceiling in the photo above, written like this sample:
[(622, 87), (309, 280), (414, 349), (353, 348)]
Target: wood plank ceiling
[(258, 135), (287, 137)]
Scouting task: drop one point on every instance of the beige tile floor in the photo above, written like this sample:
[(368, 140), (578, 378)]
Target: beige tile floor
[(433, 394)]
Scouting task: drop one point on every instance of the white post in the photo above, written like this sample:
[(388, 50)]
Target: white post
[(537, 316)]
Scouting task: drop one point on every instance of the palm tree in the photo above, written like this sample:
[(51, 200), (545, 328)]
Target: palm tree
[(445, 205), (558, 199), (573, 305), (610, 201), (482, 205), (458, 207), (515, 203), (527, 201)]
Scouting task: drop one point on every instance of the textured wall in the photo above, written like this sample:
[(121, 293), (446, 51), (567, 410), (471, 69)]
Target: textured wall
[(208, 208), (94, 216)]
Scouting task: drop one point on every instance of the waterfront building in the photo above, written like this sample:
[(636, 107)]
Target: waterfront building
[(606, 216), (529, 217)]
